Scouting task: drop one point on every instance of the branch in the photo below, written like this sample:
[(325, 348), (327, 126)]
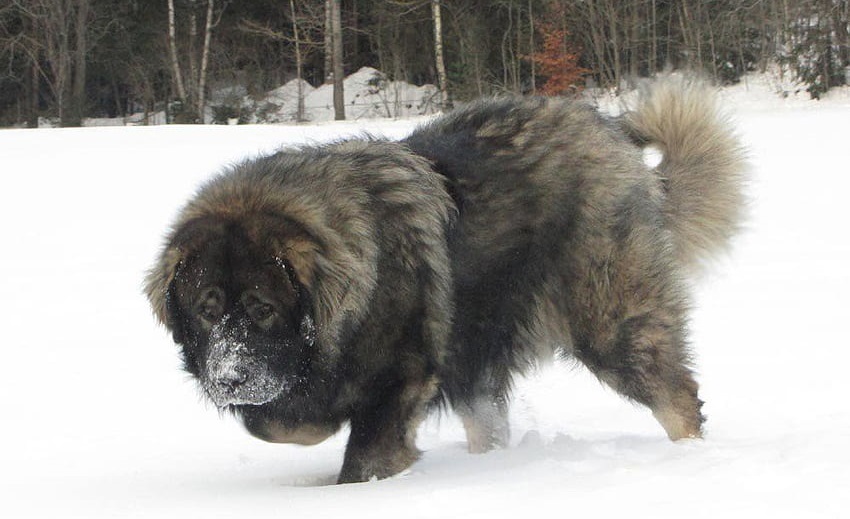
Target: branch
[(257, 29)]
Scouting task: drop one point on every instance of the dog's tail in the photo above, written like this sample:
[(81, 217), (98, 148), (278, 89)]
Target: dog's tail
[(702, 168)]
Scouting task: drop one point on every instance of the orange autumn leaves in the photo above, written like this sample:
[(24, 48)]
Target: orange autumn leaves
[(558, 61)]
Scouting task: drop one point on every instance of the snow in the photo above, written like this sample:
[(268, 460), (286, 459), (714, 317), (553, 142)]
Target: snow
[(100, 422), (368, 94)]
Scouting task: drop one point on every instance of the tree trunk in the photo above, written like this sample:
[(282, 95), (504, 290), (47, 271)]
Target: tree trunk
[(653, 51), (339, 98), (78, 88), (299, 113), (614, 36), (841, 32), (599, 44), (445, 102), (172, 46), (505, 36), (518, 51), (329, 61), (193, 79), (55, 27), (633, 35), (202, 80), (62, 67), (34, 80), (531, 49)]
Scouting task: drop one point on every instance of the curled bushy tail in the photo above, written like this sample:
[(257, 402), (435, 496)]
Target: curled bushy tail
[(702, 167)]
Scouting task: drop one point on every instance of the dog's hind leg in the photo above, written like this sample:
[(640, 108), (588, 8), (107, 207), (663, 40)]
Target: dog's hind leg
[(645, 360), (478, 384), (485, 419)]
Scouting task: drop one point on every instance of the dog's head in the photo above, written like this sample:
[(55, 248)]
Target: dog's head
[(236, 305)]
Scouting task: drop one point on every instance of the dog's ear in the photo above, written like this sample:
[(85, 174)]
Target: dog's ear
[(159, 281), (173, 315), (186, 238), (307, 325), (298, 256)]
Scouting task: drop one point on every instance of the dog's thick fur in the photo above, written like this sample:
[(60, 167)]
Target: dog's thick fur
[(363, 281)]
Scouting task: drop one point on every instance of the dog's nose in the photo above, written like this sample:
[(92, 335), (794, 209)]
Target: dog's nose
[(232, 377)]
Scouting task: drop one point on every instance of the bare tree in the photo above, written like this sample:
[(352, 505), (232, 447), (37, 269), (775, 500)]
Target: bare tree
[(19, 45), (307, 25), (299, 65), (329, 60), (192, 98), (69, 57), (205, 55), (464, 27), (78, 89), (531, 46), (336, 30), (57, 46), (172, 47), (438, 55)]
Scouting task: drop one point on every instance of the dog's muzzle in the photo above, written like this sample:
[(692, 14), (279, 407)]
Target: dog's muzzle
[(234, 376)]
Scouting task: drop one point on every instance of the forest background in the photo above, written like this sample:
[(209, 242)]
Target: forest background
[(71, 59)]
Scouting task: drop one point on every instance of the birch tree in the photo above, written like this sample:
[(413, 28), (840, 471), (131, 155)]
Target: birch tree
[(336, 42), (175, 62), (205, 55), (329, 60), (193, 97), (442, 79), (306, 35), (299, 65)]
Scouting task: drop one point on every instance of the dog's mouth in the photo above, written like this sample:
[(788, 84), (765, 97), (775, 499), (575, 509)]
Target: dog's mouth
[(235, 377), (223, 399), (244, 386)]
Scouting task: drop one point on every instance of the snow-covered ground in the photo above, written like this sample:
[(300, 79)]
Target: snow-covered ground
[(98, 421), (368, 94)]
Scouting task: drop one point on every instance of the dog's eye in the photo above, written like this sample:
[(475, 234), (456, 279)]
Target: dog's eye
[(261, 312), (208, 314), (210, 307)]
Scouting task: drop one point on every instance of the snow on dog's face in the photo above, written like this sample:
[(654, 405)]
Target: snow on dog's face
[(242, 319)]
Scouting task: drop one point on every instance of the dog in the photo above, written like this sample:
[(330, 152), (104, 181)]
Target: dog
[(367, 281)]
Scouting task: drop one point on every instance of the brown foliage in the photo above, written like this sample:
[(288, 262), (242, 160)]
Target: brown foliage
[(558, 61)]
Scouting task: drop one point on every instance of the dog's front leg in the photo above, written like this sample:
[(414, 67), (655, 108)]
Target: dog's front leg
[(383, 433)]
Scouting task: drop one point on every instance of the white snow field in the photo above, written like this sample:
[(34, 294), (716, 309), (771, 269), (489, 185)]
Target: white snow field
[(99, 421)]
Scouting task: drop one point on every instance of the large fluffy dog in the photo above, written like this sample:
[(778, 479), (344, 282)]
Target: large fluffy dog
[(365, 280)]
